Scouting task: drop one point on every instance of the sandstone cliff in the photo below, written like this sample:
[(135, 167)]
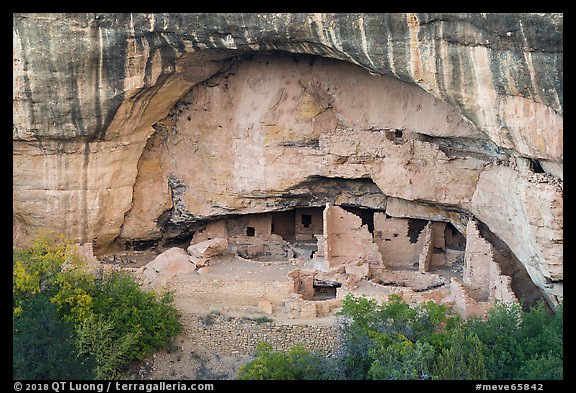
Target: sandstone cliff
[(139, 127)]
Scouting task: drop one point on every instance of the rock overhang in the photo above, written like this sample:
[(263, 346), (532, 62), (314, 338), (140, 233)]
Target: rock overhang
[(99, 97)]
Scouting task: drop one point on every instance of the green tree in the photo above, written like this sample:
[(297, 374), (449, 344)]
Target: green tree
[(514, 342), (392, 340), (462, 359), (543, 367), (149, 316), (402, 360), (503, 353), (44, 344), (112, 319), (97, 338)]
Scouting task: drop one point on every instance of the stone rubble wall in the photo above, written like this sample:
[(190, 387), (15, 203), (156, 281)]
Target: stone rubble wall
[(501, 285), (477, 259), (237, 292), (483, 282), (228, 336)]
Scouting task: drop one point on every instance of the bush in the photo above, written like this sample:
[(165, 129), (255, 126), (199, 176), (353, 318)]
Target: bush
[(44, 344), (392, 340), (401, 360), (135, 312), (296, 364), (517, 344), (260, 319), (112, 320), (461, 359), (97, 338)]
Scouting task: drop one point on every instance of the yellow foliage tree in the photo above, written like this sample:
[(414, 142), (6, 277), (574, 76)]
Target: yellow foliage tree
[(56, 268)]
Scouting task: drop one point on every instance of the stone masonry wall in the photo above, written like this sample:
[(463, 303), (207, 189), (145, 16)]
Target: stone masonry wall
[(236, 227), (477, 259), (465, 304), (348, 241), (438, 258), (391, 236), (426, 254), (501, 285), (315, 228), (229, 336)]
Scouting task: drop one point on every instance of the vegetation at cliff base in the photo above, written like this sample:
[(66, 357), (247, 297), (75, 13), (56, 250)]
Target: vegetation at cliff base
[(397, 341), (295, 364), (70, 324)]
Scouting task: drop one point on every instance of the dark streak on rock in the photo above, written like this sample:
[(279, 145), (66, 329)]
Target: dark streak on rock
[(114, 75), (400, 47), (83, 193), (75, 110), (97, 77), (440, 80), (504, 35), (26, 67)]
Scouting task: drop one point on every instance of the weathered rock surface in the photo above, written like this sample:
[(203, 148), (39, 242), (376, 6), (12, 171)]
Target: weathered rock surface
[(283, 147), (498, 69), (139, 126), (527, 214)]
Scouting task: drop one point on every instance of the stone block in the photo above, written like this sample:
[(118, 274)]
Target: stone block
[(168, 264), (208, 248)]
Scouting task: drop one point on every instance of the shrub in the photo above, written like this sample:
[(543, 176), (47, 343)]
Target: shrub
[(260, 319), (97, 338), (461, 359), (516, 341), (44, 344), (295, 364), (110, 320), (401, 360), (392, 340), (134, 312)]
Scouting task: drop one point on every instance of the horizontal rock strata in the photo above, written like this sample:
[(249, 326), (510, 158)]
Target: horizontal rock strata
[(143, 127)]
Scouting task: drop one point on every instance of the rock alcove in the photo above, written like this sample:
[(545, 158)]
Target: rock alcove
[(259, 149), (141, 134)]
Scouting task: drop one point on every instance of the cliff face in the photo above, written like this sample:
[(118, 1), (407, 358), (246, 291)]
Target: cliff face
[(137, 127)]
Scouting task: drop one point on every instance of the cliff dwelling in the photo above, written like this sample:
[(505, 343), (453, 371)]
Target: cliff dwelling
[(298, 264), (260, 176), (306, 202)]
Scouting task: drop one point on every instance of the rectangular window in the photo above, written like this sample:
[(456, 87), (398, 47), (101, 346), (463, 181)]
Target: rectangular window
[(306, 220)]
